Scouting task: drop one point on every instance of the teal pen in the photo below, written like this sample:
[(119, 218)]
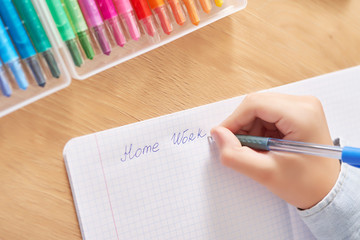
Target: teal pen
[(37, 33), (21, 40), (348, 155), (10, 58)]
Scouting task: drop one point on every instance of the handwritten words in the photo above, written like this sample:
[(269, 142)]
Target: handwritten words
[(131, 152), (187, 136)]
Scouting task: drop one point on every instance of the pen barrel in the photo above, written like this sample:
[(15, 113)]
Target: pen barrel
[(123, 6), (90, 12), (142, 9), (107, 9), (60, 19), (16, 29), (33, 25), (73, 10), (305, 148), (7, 50)]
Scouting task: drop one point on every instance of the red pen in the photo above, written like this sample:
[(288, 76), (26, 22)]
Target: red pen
[(145, 17), (159, 8)]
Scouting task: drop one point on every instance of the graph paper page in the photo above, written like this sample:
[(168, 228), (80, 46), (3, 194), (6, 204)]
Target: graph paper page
[(162, 179)]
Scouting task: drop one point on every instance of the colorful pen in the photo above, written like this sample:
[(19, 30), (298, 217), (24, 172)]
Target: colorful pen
[(126, 12), (4, 83), (21, 40), (206, 5), (349, 155), (144, 15), (159, 8), (10, 58), (192, 11), (219, 3), (78, 22), (95, 23), (63, 25), (177, 11), (111, 18), (37, 33)]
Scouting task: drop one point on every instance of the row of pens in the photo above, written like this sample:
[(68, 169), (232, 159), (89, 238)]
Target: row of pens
[(22, 33)]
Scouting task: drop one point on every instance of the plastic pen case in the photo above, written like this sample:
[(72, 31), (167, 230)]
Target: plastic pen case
[(46, 43)]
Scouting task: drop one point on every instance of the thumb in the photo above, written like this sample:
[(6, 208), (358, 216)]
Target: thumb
[(254, 164)]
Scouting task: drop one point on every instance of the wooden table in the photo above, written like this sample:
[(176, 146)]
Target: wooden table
[(268, 44)]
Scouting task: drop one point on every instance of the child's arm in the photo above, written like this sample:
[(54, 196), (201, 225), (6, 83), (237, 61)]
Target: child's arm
[(301, 180)]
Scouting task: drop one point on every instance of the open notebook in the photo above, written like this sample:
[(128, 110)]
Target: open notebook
[(162, 179)]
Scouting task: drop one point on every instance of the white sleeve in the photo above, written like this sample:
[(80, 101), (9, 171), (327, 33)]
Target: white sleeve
[(337, 216)]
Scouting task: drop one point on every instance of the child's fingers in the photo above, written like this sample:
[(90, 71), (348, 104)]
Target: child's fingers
[(258, 166), (269, 107)]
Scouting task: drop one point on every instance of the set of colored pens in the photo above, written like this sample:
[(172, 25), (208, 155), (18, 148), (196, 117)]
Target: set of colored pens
[(101, 16), (44, 44), (15, 41)]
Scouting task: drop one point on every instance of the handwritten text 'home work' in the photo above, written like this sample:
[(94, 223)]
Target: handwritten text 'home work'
[(179, 138)]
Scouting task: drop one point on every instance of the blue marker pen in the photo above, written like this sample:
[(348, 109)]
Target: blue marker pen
[(4, 84), (21, 40), (10, 57)]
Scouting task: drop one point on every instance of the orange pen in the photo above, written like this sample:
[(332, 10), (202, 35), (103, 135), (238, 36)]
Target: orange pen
[(159, 8), (192, 11), (177, 11), (206, 5)]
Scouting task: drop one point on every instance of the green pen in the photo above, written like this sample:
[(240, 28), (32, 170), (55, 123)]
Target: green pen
[(65, 30), (79, 25), (37, 33)]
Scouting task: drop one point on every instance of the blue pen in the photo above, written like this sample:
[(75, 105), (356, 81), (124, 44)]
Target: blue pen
[(4, 84), (348, 155), (10, 57), (21, 40)]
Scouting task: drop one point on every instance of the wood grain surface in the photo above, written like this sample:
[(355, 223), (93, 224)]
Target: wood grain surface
[(268, 44)]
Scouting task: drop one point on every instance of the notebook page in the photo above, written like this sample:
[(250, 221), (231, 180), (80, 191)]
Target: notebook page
[(161, 179)]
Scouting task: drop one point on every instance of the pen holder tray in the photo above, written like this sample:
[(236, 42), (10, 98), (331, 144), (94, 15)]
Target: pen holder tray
[(101, 62)]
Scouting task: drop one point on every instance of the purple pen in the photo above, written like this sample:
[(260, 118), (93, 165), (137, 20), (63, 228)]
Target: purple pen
[(110, 16), (95, 23)]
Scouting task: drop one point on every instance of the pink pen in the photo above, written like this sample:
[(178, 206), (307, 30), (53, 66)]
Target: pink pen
[(126, 12), (95, 23), (111, 18)]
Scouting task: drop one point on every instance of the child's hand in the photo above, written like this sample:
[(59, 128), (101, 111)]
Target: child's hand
[(301, 180)]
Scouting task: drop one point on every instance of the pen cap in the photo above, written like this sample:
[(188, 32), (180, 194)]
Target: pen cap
[(123, 6), (60, 19), (16, 29), (107, 9), (90, 12), (259, 143), (351, 156), (72, 9), (33, 25), (7, 50)]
